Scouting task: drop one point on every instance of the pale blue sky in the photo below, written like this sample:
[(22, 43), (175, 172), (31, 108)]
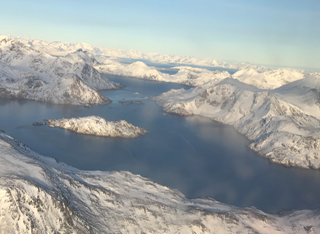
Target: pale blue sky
[(277, 32)]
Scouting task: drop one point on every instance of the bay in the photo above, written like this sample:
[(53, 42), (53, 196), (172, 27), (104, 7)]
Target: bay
[(197, 156)]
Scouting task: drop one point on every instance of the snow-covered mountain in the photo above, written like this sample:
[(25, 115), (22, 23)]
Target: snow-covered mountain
[(186, 75), (137, 70), (198, 76), (304, 93), (283, 124), (95, 125), (61, 49), (26, 73), (269, 79), (40, 195)]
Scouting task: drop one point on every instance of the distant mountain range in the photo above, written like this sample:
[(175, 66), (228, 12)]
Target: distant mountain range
[(198, 76), (57, 48)]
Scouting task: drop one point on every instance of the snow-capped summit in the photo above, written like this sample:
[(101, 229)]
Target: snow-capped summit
[(81, 56), (269, 79), (309, 81), (304, 93)]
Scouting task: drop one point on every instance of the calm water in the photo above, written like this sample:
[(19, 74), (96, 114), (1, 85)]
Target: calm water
[(195, 155)]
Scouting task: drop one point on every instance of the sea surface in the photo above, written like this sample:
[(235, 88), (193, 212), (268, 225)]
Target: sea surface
[(197, 156)]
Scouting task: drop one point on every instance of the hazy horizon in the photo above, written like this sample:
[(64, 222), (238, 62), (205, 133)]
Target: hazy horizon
[(283, 34)]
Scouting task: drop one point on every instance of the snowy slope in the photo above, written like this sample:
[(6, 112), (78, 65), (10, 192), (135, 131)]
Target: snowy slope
[(26, 73), (304, 93), (269, 79), (39, 195), (283, 128), (94, 125)]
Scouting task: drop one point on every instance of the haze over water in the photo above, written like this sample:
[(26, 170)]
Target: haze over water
[(195, 155)]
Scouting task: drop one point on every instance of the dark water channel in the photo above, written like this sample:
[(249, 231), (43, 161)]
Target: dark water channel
[(195, 155)]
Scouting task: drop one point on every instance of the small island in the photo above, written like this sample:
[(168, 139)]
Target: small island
[(98, 126)]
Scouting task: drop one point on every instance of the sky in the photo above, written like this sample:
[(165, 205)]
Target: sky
[(273, 32)]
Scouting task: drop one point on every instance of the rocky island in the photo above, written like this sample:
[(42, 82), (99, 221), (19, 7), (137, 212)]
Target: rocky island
[(95, 125)]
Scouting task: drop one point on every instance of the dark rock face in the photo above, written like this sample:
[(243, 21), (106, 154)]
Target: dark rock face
[(5, 93)]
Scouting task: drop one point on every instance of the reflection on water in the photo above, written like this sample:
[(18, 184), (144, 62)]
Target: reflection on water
[(195, 155)]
